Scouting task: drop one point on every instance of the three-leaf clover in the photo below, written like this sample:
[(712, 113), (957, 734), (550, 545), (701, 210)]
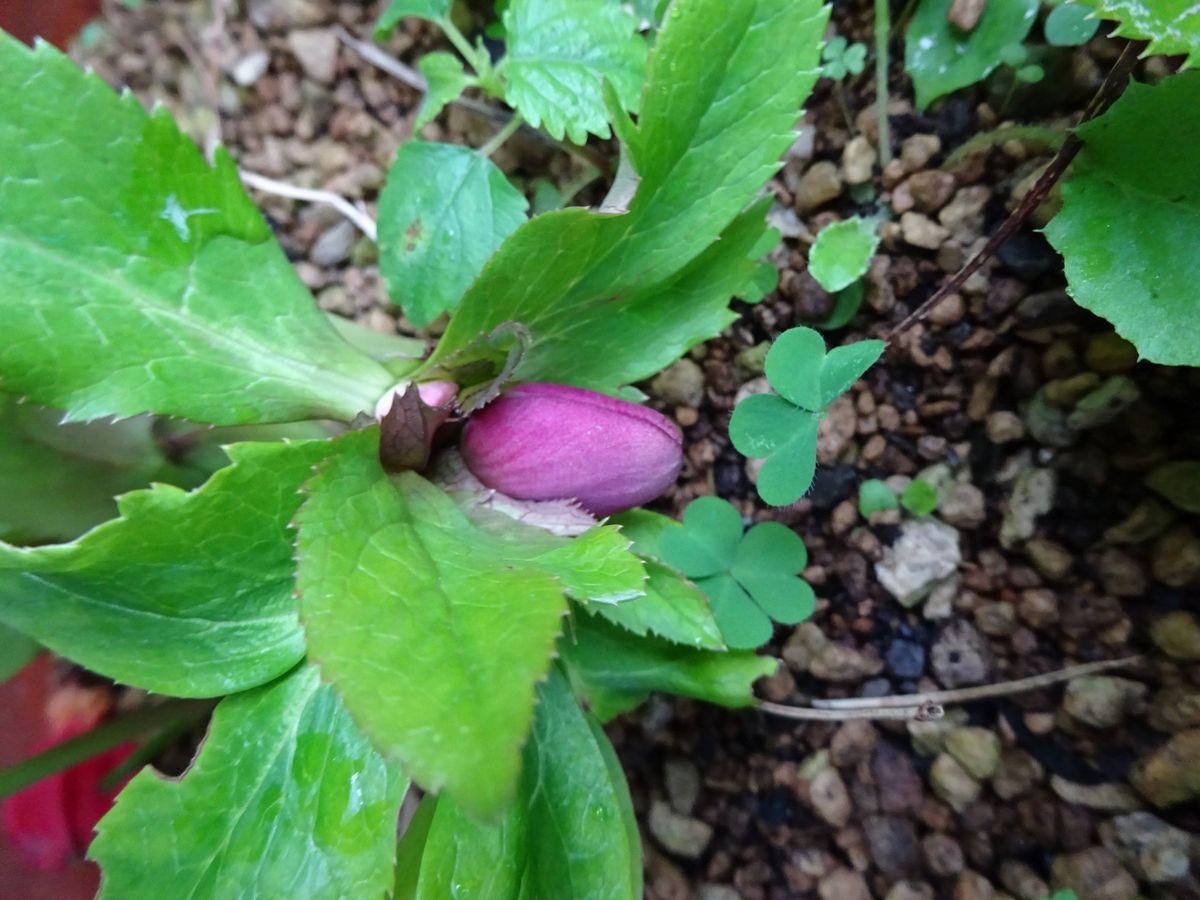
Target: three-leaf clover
[(749, 578), (839, 58), (783, 426)]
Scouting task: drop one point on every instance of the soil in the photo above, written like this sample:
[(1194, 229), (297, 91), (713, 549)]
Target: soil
[(1066, 556)]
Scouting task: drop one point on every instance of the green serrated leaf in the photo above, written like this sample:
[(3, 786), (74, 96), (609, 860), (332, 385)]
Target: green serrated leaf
[(1178, 482), (712, 128), (614, 671), (285, 799), (433, 629), (16, 650), (136, 278), (843, 252), (399, 10), (941, 59), (187, 594), (442, 213), (58, 480), (560, 53), (875, 496), (1171, 26), (1130, 271), (444, 82), (919, 498), (706, 543), (570, 834), (1071, 24)]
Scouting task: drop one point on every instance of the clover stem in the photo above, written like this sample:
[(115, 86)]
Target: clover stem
[(501, 136), (882, 28)]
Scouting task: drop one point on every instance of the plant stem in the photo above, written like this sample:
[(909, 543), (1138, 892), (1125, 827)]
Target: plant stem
[(924, 713), (1107, 93), (463, 46), (359, 217), (501, 136), (883, 26), (103, 737)]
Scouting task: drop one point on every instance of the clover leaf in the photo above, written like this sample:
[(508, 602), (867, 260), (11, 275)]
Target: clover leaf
[(783, 427), (919, 498), (875, 496), (839, 58), (750, 578)]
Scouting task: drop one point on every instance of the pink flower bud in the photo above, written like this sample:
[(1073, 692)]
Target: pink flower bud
[(553, 442)]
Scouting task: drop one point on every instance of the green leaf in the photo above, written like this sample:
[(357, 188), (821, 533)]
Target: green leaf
[(401, 9), (748, 578), (941, 59), (59, 480), (845, 307), (285, 799), (434, 629), (442, 213), (615, 671), (1071, 24), (1178, 482), (845, 365), (799, 369), (613, 298), (919, 497), (1171, 26), (444, 80), (16, 651), (875, 496), (570, 834), (560, 54), (136, 278), (187, 594), (765, 425), (842, 252), (1131, 271), (673, 608)]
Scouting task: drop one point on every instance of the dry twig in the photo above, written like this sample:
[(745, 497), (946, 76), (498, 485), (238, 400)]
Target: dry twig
[(355, 214)]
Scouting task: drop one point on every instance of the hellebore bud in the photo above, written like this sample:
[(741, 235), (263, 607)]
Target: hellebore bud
[(409, 419), (554, 442)]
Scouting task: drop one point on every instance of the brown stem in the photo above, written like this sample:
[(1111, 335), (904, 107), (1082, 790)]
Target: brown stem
[(922, 712), (1108, 92)]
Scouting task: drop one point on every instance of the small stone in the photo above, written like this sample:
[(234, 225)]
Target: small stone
[(682, 781), (962, 505), (334, 245), (1066, 392), (716, 892), (953, 783), (829, 797), (900, 787), (1110, 354), (996, 619), (925, 554), (1093, 874), (1153, 849), (965, 14), (921, 231), (753, 360), (1017, 774), (1047, 423), (1110, 796), (931, 190), (1038, 608), (1149, 519), (977, 749), (316, 49), (1102, 701), (835, 432), (1022, 881), (1051, 559), (910, 890), (1033, 496), (943, 856), (917, 150), (808, 650), (858, 160), (1175, 708), (1105, 404), (251, 67), (1175, 560), (973, 886), (963, 215), (853, 742), (1004, 426), (961, 656), (1177, 634), (1120, 574), (1171, 774), (892, 842), (843, 884), (905, 659), (821, 183), (680, 384), (678, 834)]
